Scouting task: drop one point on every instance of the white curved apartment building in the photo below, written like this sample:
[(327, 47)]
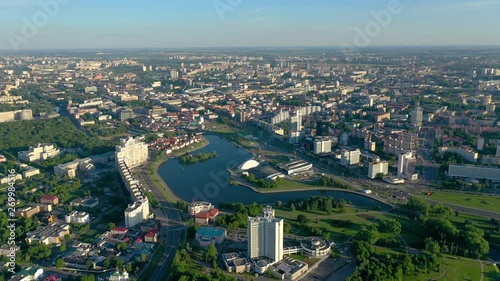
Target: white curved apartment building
[(132, 153)]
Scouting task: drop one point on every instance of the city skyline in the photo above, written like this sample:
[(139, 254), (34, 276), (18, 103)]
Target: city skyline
[(32, 25)]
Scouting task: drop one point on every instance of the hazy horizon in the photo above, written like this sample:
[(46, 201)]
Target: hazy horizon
[(68, 24)]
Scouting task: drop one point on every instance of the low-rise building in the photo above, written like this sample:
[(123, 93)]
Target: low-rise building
[(77, 217), (119, 230), (29, 211), (30, 171), (85, 202), (28, 273), (119, 275), (152, 236), (49, 199), (40, 152), (210, 235), (11, 177), (237, 262), (6, 250), (206, 217), (50, 234)]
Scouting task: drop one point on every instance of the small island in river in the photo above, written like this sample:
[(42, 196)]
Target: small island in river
[(196, 158)]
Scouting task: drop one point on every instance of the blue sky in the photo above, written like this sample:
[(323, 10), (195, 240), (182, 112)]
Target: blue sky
[(197, 23)]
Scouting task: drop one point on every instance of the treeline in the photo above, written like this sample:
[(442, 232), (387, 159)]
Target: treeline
[(59, 186), (374, 267), (182, 271), (262, 183), (455, 239), (197, 158), (16, 136), (331, 182), (318, 203), (51, 162), (106, 131), (240, 214)]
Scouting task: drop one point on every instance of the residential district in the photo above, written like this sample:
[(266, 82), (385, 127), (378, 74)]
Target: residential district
[(301, 165)]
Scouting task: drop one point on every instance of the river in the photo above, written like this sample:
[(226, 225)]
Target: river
[(208, 181)]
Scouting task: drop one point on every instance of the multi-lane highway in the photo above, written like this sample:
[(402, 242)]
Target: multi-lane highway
[(171, 219)]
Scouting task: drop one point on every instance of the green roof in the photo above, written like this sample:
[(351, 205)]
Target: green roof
[(210, 232)]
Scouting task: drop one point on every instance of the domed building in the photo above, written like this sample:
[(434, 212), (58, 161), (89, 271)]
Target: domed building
[(316, 247), (250, 164)]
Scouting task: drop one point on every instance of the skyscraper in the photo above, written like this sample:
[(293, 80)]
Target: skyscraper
[(265, 236), (417, 116), (296, 132), (406, 165)]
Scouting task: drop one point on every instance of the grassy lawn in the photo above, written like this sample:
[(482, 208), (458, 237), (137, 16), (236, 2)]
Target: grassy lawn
[(491, 272), (288, 214), (480, 222), (309, 261), (342, 226), (383, 250), (457, 269), (411, 232), (486, 202), (90, 234), (274, 160), (286, 184)]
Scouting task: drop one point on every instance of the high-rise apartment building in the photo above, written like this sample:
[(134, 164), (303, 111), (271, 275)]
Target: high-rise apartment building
[(350, 157), (133, 152), (407, 166), (265, 236), (376, 168), (417, 117), (296, 133)]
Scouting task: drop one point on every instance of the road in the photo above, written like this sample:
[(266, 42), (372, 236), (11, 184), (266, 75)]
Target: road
[(171, 219), (469, 210)]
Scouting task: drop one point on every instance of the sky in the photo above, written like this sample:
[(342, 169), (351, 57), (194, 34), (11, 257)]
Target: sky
[(98, 24)]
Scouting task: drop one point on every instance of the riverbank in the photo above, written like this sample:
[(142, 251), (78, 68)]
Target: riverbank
[(162, 158), (240, 181)]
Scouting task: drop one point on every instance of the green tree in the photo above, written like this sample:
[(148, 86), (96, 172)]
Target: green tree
[(370, 235), (118, 263), (89, 264), (62, 247), (287, 227), (211, 253), (87, 277), (121, 246), (302, 219), (59, 263), (432, 246), (390, 225), (111, 225)]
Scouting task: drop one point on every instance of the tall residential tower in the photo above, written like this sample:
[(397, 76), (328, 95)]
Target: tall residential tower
[(265, 236)]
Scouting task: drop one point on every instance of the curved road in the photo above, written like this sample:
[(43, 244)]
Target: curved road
[(169, 216)]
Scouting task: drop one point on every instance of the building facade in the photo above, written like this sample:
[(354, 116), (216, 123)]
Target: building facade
[(265, 236), (133, 152)]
